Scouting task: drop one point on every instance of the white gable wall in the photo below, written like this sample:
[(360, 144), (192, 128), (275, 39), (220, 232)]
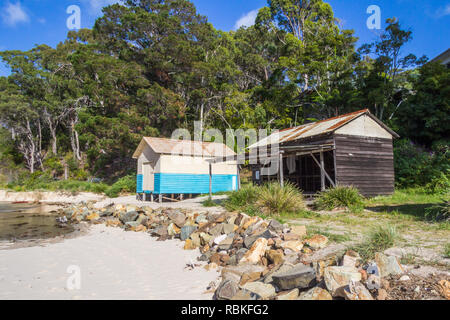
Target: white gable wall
[(148, 156), (364, 126), (194, 165)]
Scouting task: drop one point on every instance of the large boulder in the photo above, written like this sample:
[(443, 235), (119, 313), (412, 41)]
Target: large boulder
[(356, 291), (317, 241), (288, 295), (315, 293), (186, 232), (388, 265), (264, 290), (226, 290), (177, 217), (300, 276), (256, 252), (336, 278), (249, 240), (130, 216)]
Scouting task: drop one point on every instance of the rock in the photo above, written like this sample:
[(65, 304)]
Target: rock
[(290, 237), (249, 277), (219, 239), (288, 295), (201, 219), (196, 240), (240, 270), (275, 257), (351, 259), (140, 228), (246, 295), (249, 222), (173, 230), (226, 244), (315, 293), (300, 276), (330, 252), (142, 219), (338, 277), (177, 217), (294, 245), (226, 290), (317, 241), (205, 238), (373, 282), (106, 213), (211, 266), (189, 245), (240, 254), (404, 278), (216, 230), (444, 288), (319, 266), (382, 294), (228, 228), (113, 223), (160, 231), (186, 232), (93, 216), (356, 291), (388, 265), (131, 225), (255, 253), (264, 290), (300, 231), (275, 226), (128, 216), (249, 240)]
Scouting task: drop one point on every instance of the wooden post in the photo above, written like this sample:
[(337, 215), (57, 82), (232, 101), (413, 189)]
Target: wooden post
[(181, 197), (160, 198), (151, 197), (322, 170), (210, 180), (238, 177), (281, 170)]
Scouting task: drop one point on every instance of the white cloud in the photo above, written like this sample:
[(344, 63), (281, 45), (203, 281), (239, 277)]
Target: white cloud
[(95, 6), (443, 11), (14, 14), (247, 19)]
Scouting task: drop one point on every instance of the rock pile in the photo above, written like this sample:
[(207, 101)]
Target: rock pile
[(258, 259)]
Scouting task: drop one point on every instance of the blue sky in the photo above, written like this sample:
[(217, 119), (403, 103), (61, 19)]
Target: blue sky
[(24, 23)]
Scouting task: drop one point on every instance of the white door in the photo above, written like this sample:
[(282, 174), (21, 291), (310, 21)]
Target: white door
[(149, 177)]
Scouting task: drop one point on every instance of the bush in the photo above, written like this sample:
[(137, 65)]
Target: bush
[(270, 199), (417, 167), (274, 199), (124, 184), (378, 239), (242, 198), (340, 197), (439, 212), (447, 250)]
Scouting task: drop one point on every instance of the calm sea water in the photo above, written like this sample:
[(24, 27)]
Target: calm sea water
[(27, 222)]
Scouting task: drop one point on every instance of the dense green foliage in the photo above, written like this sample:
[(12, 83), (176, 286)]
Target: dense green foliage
[(340, 197), (149, 67), (269, 199)]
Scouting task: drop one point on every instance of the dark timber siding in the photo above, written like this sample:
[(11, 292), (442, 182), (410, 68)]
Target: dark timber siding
[(366, 163)]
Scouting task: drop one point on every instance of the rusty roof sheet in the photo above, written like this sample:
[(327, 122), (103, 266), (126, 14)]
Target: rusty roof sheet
[(311, 129), (184, 147)]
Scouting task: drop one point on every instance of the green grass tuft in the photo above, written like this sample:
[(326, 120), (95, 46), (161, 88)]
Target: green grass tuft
[(378, 239), (340, 197), (275, 200)]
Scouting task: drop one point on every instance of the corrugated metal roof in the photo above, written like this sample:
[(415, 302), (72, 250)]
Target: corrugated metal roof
[(315, 128), (184, 147)]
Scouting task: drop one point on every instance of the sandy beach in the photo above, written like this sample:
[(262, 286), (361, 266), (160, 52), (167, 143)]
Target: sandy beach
[(113, 264)]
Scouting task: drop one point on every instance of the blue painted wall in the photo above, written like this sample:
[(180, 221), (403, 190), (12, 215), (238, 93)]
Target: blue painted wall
[(193, 183), (139, 183)]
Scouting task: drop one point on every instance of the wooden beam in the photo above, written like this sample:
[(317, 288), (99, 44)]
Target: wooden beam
[(281, 170), (322, 175), (239, 177), (323, 169)]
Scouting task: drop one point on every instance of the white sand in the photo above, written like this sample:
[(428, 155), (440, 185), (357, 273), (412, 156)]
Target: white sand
[(49, 196), (114, 264)]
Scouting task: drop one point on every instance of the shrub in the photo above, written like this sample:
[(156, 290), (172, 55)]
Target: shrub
[(378, 239), (340, 197), (242, 198), (447, 250), (274, 199), (439, 212), (124, 184)]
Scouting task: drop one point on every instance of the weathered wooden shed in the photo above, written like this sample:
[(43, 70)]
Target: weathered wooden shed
[(179, 167), (354, 149)]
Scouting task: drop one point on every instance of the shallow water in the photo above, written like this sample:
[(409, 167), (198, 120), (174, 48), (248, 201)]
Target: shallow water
[(28, 222)]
